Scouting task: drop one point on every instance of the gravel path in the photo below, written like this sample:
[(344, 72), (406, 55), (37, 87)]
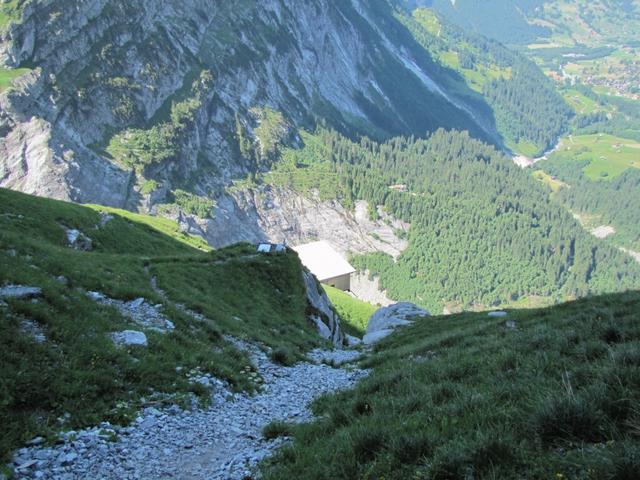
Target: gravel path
[(221, 442)]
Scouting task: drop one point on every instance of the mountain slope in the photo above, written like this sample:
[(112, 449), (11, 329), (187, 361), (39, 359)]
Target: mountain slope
[(177, 81), (541, 394), (135, 273), (483, 231)]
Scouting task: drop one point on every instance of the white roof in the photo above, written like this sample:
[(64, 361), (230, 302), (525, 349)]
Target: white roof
[(323, 261)]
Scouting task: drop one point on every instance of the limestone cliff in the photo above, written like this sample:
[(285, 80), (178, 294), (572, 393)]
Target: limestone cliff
[(105, 70)]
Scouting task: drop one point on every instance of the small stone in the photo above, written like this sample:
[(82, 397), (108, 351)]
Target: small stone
[(43, 454), (23, 464), (137, 303), (35, 442), (130, 338), (497, 314), (68, 458), (511, 324), (96, 296), (148, 423)]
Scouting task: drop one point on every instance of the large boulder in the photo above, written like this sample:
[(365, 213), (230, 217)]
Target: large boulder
[(323, 315), (386, 319), (129, 338)]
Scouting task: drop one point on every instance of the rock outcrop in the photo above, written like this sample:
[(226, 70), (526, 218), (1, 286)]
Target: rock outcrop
[(273, 214), (129, 338), (386, 319), (322, 313)]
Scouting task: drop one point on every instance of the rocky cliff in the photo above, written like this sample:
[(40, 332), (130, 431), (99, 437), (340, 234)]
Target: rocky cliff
[(129, 100)]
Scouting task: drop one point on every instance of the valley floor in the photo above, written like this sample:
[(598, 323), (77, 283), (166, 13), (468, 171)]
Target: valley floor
[(224, 441)]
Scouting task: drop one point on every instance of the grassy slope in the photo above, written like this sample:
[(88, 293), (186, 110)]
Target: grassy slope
[(78, 370), (467, 397), (608, 156), (354, 313)]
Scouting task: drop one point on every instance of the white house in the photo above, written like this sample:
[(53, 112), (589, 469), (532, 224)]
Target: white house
[(326, 264)]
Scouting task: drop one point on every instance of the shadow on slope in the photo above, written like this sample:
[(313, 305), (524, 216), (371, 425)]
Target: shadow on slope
[(549, 393), (75, 376)]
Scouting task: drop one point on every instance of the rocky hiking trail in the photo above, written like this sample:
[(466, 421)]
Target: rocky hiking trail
[(223, 441)]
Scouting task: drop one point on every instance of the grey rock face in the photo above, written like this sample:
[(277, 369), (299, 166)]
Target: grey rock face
[(130, 338), (273, 213), (106, 66), (386, 319), (326, 320)]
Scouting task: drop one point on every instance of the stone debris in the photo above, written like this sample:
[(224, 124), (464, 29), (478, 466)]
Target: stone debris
[(34, 330), (130, 338), (497, 314), (78, 240), (223, 441), (334, 357), (20, 292), (142, 313)]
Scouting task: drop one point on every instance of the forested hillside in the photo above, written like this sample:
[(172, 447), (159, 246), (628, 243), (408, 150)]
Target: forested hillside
[(483, 231), (529, 113)]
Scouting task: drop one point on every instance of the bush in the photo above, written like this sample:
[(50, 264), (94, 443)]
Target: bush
[(277, 429), (282, 357)]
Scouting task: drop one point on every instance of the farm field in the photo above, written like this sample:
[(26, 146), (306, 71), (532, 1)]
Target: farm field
[(608, 155), (551, 181)]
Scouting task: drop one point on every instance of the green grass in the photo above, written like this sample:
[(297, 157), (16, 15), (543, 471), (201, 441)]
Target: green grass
[(582, 104), (608, 156), (355, 314), (553, 183), (78, 370), (8, 74), (11, 11), (523, 147), (466, 396)]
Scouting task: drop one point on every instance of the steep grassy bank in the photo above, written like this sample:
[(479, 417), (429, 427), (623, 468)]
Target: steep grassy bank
[(354, 313), (76, 376), (555, 394)]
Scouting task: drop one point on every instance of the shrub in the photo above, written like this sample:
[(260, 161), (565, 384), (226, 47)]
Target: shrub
[(282, 357), (367, 442), (277, 429)]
